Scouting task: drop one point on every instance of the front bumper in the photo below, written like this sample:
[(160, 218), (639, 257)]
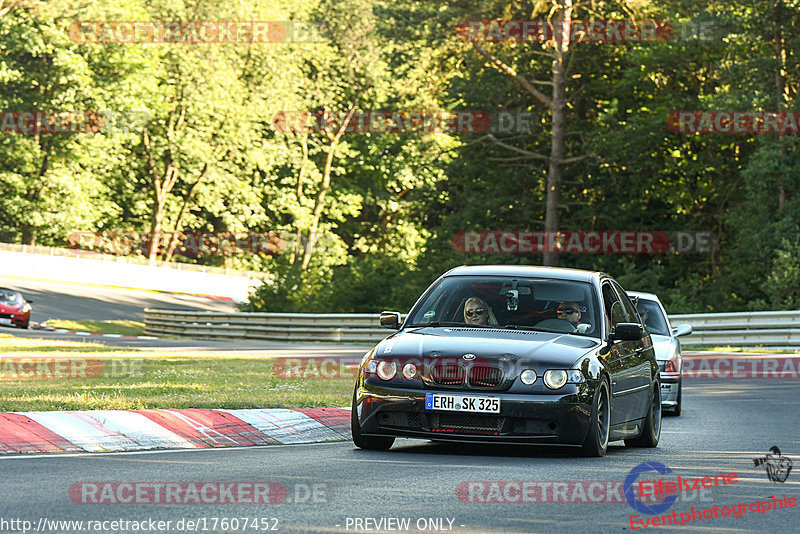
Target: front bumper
[(523, 418)]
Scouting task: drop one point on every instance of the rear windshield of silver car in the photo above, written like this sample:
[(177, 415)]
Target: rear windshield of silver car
[(508, 302)]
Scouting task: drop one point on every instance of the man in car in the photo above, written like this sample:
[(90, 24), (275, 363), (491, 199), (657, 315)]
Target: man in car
[(571, 311)]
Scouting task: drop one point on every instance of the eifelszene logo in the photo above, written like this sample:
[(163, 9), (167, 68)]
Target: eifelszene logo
[(776, 465)]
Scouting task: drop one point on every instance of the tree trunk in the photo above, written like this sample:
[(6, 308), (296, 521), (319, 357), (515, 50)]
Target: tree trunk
[(319, 204), (176, 226), (558, 133), (298, 243), (779, 46)]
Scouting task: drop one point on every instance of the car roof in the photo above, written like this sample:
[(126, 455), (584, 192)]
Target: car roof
[(8, 289), (644, 295), (526, 270)]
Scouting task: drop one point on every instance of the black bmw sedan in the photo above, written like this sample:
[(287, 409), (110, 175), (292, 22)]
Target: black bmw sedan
[(512, 354)]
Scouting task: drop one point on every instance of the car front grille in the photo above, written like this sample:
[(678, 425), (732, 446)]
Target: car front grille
[(483, 376), (477, 376), (6, 316), (448, 374), (468, 422)]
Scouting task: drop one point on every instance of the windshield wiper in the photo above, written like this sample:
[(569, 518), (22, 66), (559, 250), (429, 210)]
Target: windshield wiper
[(535, 329), (437, 323)]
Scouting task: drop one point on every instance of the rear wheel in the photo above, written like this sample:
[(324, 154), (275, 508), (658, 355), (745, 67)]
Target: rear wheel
[(596, 442), (366, 442), (651, 432)]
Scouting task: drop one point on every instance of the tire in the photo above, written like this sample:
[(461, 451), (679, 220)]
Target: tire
[(366, 442), (596, 442), (677, 411), (651, 432), (24, 326)]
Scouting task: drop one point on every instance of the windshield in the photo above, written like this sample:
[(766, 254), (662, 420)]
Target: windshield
[(652, 317), (10, 297), (510, 302)]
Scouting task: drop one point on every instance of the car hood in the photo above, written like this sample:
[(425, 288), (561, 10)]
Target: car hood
[(664, 346), (547, 350), (9, 308)]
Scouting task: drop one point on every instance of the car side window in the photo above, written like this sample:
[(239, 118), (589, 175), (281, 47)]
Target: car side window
[(630, 309), (615, 313)]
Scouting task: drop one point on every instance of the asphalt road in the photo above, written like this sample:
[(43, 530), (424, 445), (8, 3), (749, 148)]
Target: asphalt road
[(726, 425), (58, 300)]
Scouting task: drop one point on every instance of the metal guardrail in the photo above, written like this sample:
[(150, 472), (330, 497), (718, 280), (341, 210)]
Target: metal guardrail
[(743, 329), (735, 329), (333, 327)]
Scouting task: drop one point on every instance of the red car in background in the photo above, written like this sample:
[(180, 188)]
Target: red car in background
[(14, 309)]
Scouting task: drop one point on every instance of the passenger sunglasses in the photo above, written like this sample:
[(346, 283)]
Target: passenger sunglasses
[(568, 311), (476, 311)]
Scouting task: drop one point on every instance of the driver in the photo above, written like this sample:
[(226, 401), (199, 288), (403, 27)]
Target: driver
[(476, 311), (571, 311)]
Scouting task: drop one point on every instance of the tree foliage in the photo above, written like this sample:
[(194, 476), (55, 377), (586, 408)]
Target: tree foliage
[(189, 143)]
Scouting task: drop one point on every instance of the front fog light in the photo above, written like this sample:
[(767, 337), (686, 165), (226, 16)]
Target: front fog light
[(555, 378), (528, 376), (409, 371), (387, 370)]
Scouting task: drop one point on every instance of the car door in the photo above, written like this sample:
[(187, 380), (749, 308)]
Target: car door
[(623, 361), (639, 362)]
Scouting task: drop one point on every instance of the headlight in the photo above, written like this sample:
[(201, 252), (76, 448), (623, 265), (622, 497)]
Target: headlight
[(528, 377), (575, 376), (26, 308), (555, 378), (409, 371), (386, 370)]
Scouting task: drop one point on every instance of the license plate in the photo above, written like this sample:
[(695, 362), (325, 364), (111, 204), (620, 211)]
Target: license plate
[(462, 403), (3, 320)]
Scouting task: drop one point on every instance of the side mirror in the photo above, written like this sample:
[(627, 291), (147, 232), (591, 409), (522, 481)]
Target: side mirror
[(627, 332), (390, 319), (683, 329)]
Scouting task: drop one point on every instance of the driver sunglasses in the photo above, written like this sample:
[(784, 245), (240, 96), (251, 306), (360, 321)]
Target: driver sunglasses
[(476, 311), (568, 311)]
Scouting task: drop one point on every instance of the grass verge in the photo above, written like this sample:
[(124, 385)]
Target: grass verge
[(41, 374), (125, 328)]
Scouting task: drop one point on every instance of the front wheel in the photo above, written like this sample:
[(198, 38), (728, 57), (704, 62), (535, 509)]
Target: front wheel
[(651, 432), (596, 442), (366, 442), (677, 411)]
